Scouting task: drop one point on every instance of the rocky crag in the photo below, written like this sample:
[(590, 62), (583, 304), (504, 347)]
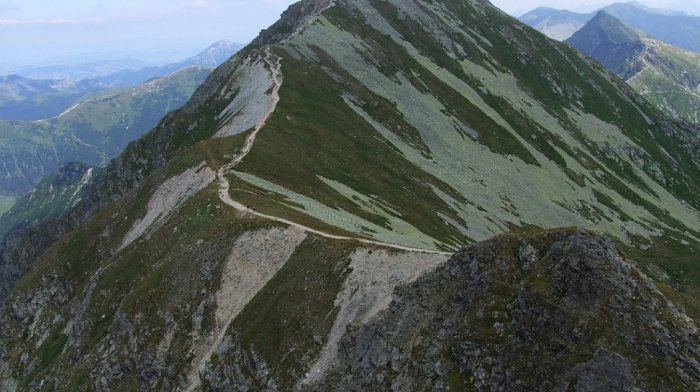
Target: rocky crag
[(558, 310)]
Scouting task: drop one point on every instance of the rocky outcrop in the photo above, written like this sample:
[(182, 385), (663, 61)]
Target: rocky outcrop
[(20, 250), (292, 20), (557, 311)]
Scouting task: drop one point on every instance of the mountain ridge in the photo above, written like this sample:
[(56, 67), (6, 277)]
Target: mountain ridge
[(681, 30), (400, 121), (666, 75)]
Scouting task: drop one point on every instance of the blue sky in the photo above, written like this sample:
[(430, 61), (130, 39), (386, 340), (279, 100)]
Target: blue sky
[(51, 31), (33, 32)]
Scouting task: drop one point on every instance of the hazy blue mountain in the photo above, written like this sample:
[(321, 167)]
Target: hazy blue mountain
[(672, 27), (554, 23), (610, 41), (213, 56), (92, 131), (22, 98), (89, 70), (28, 99), (668, 76), (675, 29)]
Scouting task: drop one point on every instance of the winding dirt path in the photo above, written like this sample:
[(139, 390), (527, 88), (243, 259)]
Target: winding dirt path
[(274, 65), (224, 185)]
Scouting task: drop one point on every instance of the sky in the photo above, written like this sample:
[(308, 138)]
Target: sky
[(73, 31), (43, 32)]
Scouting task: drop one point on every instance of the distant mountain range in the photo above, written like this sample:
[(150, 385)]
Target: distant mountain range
[(92, 131), (25, 98), (666, 75), (90, 70), (211, 56), (675, 28)]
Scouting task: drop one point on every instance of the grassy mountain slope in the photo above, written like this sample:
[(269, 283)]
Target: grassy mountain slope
[(27, 99), (6, 203), (426, 123), (669, 77), (55, 196), (92, 132), (488, 140)]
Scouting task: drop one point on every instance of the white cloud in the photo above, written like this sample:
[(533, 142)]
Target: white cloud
[(205, 4), (19, 22)]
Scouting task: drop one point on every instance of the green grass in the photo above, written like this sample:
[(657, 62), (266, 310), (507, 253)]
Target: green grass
[(669, 80), (6, 203), (272, 204), (314, 133), (55, 195), (676, 256), (280, 323)]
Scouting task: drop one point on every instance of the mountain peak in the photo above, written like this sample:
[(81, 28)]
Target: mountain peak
[(616, 30), (215, 54), (647, 64), (608, 40), (292, 20)]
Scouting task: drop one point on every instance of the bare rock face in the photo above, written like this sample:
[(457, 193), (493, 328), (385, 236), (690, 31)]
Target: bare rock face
[(579, 318)]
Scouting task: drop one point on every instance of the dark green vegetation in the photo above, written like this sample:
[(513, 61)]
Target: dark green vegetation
[(287, 326), (164, 275), (665, 75), (56, 195), (291, 135), (93, 132)]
